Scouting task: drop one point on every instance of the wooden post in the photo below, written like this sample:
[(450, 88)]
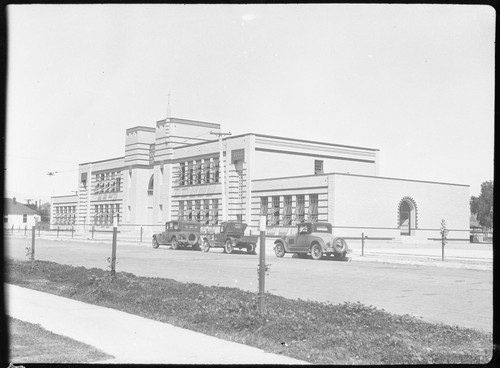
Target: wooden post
[(93, 231), (113, 249), (33, 246), (25, 229), (72, 231), (262, 262), (362, 244), (58, 231), (442, 247), (141, 233)]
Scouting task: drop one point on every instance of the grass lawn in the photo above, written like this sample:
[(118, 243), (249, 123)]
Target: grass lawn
[(320, 333), (30, 343)]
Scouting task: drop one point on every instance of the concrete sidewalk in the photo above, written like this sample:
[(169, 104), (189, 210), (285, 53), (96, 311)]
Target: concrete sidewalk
[(129, 338)]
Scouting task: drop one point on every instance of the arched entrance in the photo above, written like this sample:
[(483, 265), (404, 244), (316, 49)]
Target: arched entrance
[(407, 215)]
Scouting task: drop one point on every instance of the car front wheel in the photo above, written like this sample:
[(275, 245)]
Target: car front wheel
[(279, 250), (205, 246), (228, 246), (175, 244), (316, 251), (155, 243)]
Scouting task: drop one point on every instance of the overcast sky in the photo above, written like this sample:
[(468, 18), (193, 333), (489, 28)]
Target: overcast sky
[(415, 81)]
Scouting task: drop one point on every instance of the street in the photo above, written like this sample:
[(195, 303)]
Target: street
[(459, 296)]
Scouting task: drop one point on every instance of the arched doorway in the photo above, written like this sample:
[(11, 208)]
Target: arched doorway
[(407, 216)]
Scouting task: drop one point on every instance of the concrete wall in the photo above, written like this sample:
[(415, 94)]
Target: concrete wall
[(275, 157), (371, 205)]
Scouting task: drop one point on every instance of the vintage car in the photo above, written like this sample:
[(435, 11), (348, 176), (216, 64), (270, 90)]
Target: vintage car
[(315, 238), (179, 233), (230, 236)]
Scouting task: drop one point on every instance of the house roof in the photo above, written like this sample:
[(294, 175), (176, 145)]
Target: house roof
[(16, 208)]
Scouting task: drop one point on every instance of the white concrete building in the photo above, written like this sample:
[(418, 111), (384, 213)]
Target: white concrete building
[(174, 171)]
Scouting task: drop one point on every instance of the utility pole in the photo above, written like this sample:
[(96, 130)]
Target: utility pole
[(222, 173)]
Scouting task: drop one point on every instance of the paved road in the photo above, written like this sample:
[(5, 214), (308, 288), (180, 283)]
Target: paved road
[(453, 296)]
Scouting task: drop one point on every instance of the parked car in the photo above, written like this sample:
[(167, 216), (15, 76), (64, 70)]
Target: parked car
[(179, 233), (315, 238), (230, 236)]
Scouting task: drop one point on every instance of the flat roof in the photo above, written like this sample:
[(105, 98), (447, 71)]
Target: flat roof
[(365, 176), (188, 122), (101, 161), (141, 128)]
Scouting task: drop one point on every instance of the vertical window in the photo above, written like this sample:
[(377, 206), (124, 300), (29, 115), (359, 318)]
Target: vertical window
[(182, 174), (181, 210), (313, 207), (197, 210), (189, 210), (25, 218), (287, 210), (216, 171), (206, 211), (276, 211), (117, 210), (208, 165), (318, 167), (199, 172), (215, 211), (151, 185), (300, 208)]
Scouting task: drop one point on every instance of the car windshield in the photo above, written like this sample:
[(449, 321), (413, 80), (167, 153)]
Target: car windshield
[(323, 228)]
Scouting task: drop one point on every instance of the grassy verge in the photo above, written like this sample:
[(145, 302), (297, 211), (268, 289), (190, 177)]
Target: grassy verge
[(30, 343), (349, 333)]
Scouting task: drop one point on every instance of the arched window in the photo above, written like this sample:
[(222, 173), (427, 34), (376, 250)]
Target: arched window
[(151, 185), (407, 216)]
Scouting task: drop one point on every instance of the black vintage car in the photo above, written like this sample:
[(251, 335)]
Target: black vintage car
[(179, 233), (230, 236)]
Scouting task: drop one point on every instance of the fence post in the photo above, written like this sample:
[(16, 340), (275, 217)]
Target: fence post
[(141, 233), (262, 262), (113, 249), (93, 231), (72, 231), (362, 244), (58, 231), (25, 229), (12, 230), (33, 246)]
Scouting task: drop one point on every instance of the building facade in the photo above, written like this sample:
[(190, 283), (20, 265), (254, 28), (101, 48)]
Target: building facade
[(180, 170)]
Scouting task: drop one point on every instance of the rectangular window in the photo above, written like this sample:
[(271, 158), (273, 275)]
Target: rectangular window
[(300, 208), (25, 218), (216, 171), (318, 167), (287, 210), (182, 174), (189, 210), (181, 210), (208, 165), (191, 173), (215, 211), (197, 210), (276, 211), (206, 211), (313, 207)]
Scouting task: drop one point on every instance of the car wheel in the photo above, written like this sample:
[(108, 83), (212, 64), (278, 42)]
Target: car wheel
[(155, 242), (251, 248), (228, 246), (316, 251), (279, 250), (205, 245), (175, 244)]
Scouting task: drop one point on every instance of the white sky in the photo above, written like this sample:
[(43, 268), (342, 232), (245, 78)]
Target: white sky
[(415, 81)]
